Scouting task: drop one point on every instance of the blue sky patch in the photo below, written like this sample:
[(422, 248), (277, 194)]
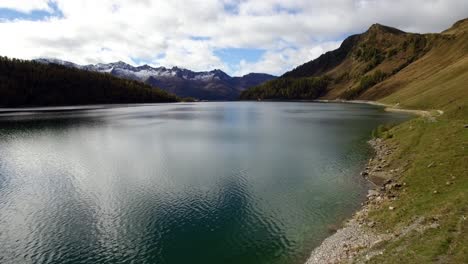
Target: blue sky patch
[(233, 56), (231, 8), (36, 15)]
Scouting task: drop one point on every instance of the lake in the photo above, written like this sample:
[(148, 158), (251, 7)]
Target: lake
[(236, 182)]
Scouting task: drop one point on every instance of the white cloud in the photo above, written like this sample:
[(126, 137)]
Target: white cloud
[(285, 59), (160, 32)]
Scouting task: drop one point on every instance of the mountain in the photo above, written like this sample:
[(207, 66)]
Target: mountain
[(28, 83), (382, 63), (210, 85)]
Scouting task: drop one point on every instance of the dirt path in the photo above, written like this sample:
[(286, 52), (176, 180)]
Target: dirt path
[(389, 108)]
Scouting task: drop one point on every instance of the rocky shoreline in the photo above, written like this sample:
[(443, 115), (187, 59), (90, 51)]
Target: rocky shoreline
[(357, 234), (359, 240)]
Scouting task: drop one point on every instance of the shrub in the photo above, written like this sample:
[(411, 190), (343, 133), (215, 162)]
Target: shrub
[(383, 131)]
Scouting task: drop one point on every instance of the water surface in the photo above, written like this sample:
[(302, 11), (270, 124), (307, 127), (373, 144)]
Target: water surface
[(239, 182)]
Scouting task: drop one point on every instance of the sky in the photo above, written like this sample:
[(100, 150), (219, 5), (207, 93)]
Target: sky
[(236, 36)]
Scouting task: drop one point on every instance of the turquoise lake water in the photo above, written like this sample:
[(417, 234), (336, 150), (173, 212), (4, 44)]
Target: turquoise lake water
[(237, 182)]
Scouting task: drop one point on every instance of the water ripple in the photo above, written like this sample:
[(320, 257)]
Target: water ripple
[(193, 183)]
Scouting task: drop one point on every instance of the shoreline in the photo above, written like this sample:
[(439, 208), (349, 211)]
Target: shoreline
[(358, 240), (357, 234), (387, 107)]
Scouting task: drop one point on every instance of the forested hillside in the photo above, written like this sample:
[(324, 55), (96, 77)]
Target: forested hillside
[(289, 89), (26, 83)]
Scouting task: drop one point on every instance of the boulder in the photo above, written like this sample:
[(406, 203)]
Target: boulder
[(372, 193)]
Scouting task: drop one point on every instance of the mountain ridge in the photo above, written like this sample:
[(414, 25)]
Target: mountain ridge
[(382, 63), (204, 85)]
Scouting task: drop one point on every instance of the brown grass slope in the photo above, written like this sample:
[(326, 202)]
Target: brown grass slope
[(380, 49), (422, 71), (438, 80)]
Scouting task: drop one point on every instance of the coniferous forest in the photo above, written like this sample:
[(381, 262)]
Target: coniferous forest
[(29, 83), (287, 89)]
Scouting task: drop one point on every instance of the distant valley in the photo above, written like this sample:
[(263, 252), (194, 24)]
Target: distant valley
[(208, 85)]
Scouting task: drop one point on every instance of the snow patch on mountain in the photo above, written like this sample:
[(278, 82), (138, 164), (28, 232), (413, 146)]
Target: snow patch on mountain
[(142, 73)]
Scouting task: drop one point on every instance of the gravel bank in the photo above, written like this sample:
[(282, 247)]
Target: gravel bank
[(358, 234)]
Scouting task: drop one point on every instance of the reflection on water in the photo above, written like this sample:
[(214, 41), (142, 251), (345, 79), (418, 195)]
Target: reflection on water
[(181, 183)]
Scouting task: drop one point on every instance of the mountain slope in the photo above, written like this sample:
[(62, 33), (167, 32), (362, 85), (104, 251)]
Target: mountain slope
[(383, 61), (210, 85), (438, 80), (26, 83)]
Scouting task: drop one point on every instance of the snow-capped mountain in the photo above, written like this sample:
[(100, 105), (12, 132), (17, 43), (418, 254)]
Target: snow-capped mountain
[(209, 85)]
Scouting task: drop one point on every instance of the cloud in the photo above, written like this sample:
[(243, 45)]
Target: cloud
[(162, 32), (285, 59)]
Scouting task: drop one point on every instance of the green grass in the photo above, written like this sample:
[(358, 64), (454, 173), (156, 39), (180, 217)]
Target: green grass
[(382, 131), (446, 89), (420, 143)]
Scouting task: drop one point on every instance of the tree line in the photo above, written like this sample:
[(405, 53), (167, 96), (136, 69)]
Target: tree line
[(288, 88), (29, 83)]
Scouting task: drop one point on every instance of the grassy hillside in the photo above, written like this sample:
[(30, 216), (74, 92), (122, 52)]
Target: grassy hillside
[(410, 69), (433, 158), (438, 80), (26, 83)]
